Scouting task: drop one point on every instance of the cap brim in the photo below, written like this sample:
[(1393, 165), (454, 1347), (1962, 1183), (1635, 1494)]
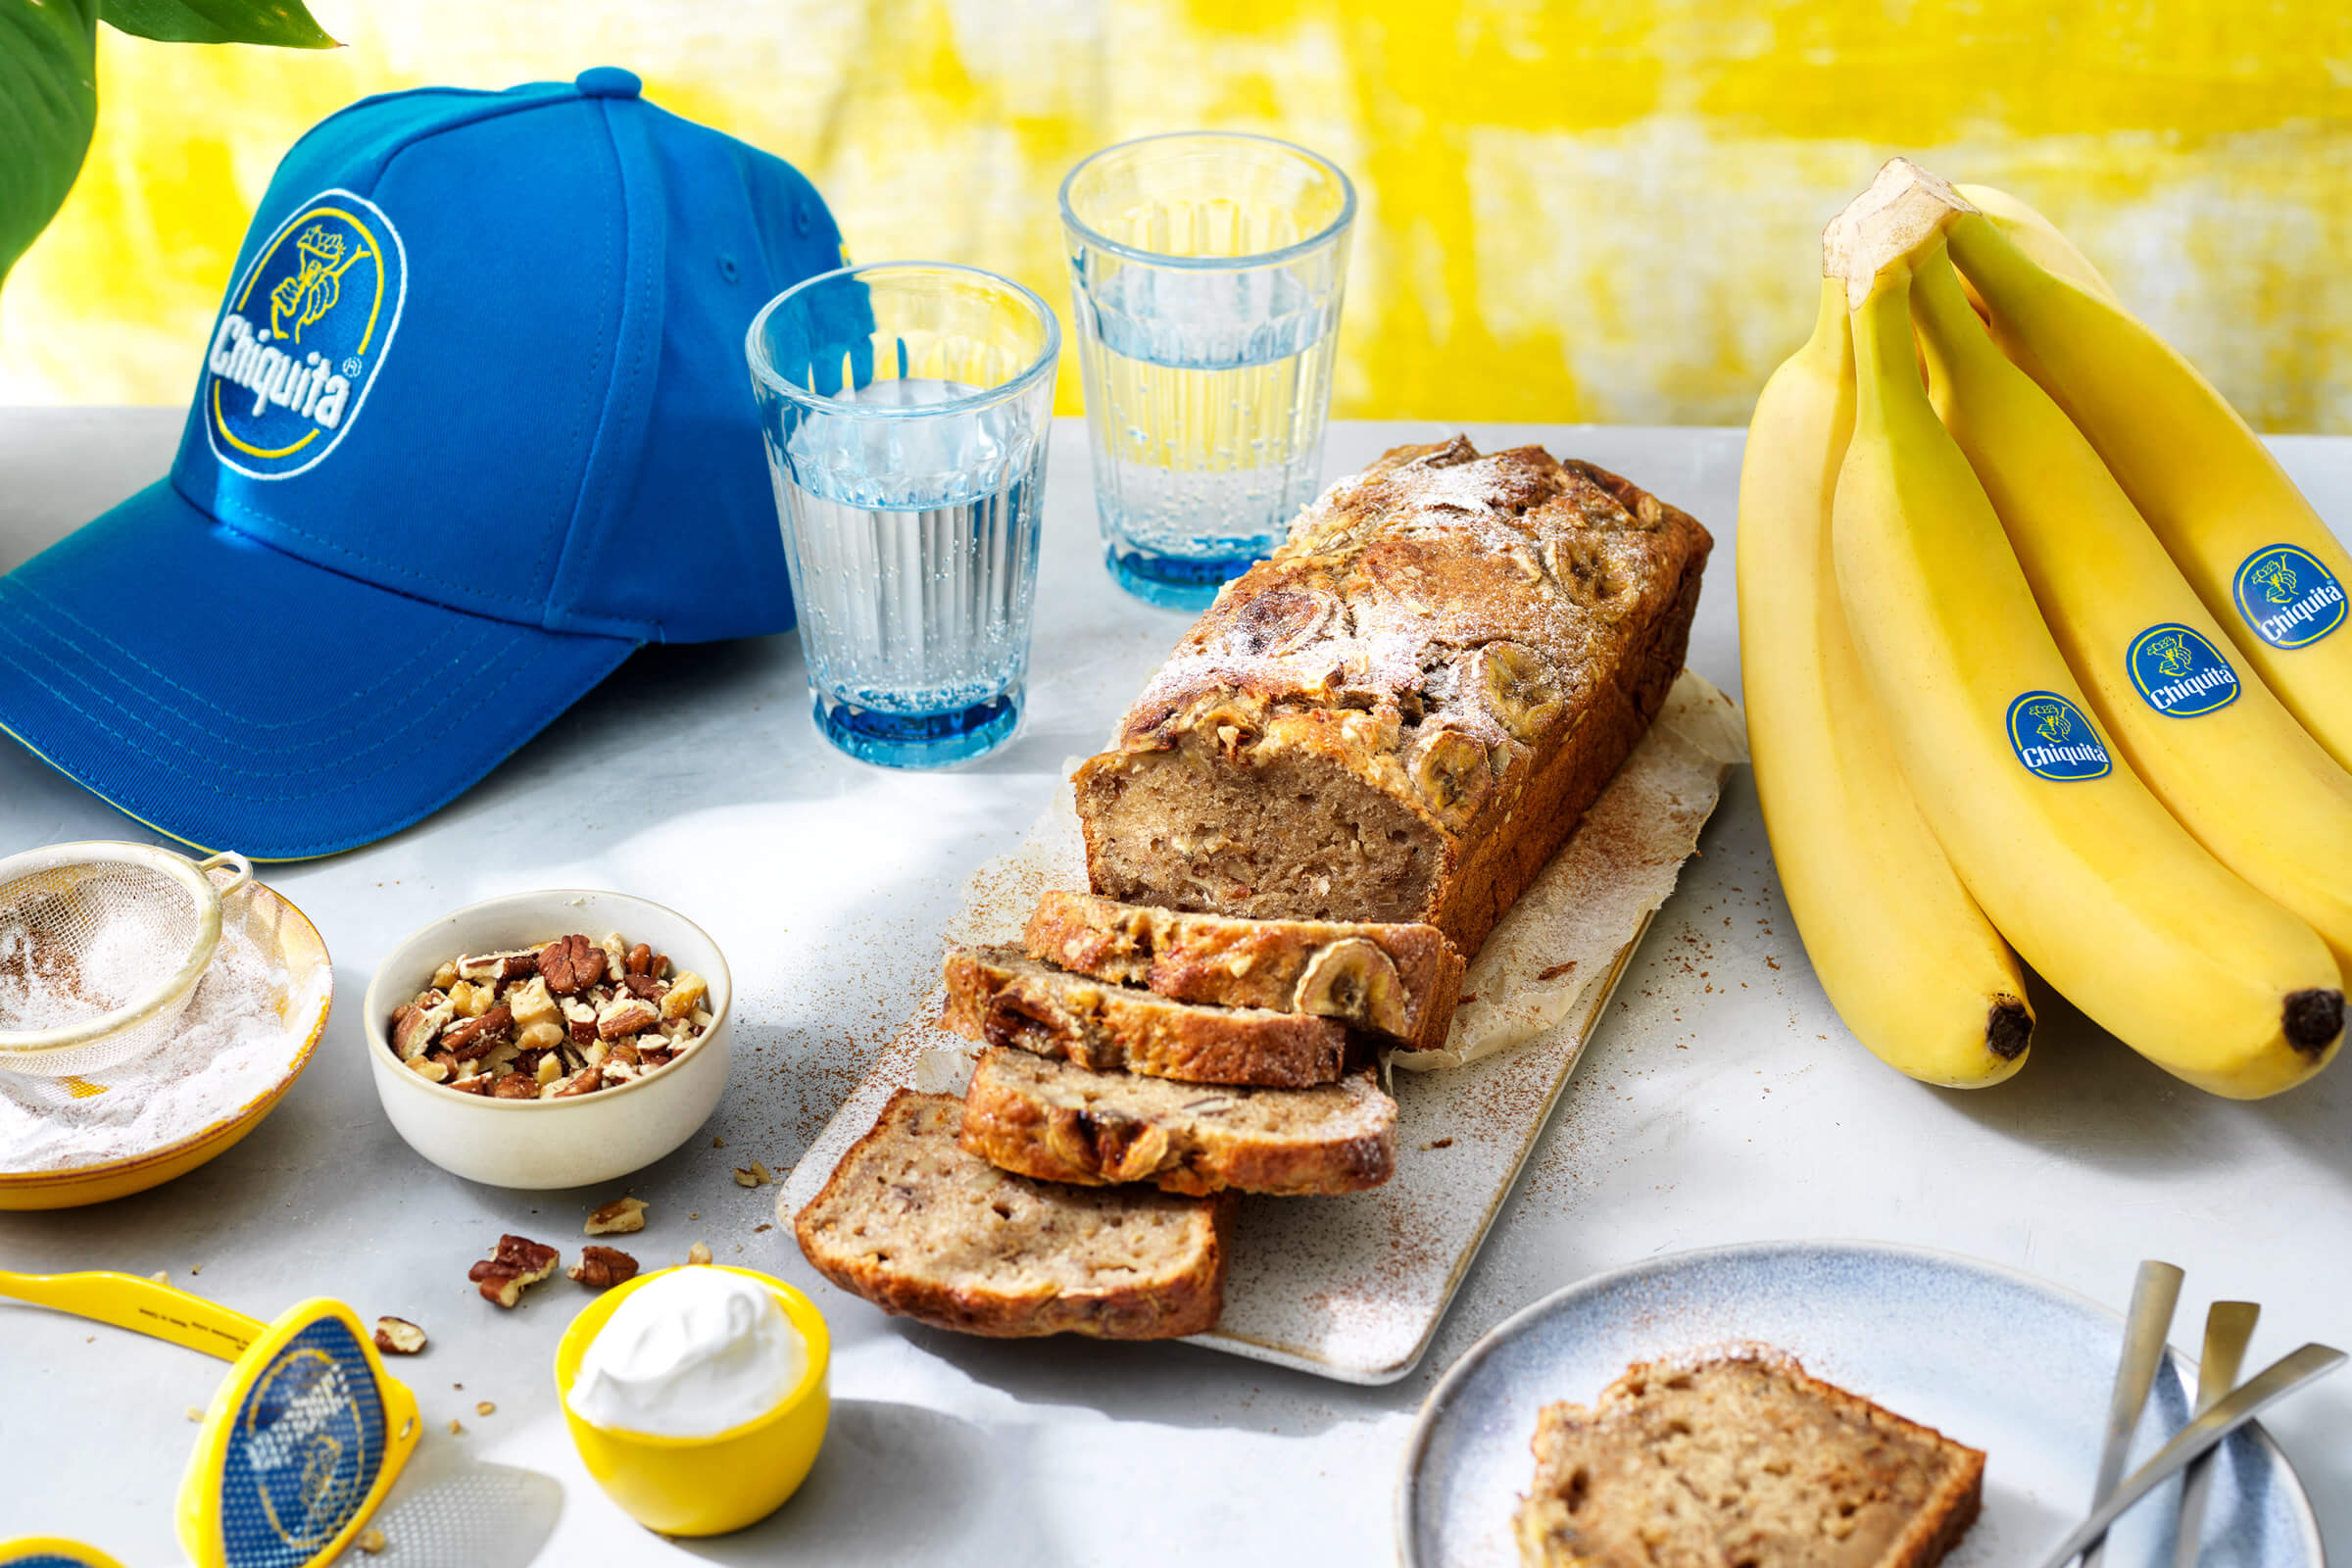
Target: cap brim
[(235, 698)]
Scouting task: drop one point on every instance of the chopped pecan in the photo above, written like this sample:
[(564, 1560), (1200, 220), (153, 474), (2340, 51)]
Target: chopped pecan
[(497, 967), (518, 1261), (579, 1083), (625, 1052), (397, 1336), (478, 1084), (625, 1015), (644, 987), (603, 1268), (516, 1085), (640, 960), (475, 1035), (414, 1025), (619, 1216)]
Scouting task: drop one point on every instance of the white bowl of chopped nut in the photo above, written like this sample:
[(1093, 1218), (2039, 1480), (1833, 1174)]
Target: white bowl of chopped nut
[(551, 1039)]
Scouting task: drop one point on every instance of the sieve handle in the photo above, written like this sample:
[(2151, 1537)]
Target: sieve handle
[(145, 1306), (229, 857)]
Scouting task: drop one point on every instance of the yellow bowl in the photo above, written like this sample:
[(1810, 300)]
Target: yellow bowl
[(705, 1486), (275, 922)]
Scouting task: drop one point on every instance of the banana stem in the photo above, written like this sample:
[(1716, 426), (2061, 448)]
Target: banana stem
[(1885, 357)]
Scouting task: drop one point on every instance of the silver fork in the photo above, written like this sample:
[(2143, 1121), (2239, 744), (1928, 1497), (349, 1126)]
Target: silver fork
[(2229, 1325), (2154, 1294)]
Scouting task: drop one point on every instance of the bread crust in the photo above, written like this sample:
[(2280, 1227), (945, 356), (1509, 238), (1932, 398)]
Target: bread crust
[(1937, 1521), (1061, 1123), (1238, 962), (1002, 997), (1464, 647), (1184, 1296)]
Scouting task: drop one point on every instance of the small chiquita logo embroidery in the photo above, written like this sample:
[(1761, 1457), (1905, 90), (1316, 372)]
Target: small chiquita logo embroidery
[(2287, 596), (2053, 739), (2179, 672), (302, 335)]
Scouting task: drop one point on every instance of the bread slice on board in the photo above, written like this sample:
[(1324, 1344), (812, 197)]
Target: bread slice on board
[(923, 1230), (1060, 1122), (1738, 1456), (1002, 997), (1402, 981)]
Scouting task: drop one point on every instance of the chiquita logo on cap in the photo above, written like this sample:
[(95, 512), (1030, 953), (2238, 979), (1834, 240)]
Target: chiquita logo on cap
[(2053, 739), (304, 331)]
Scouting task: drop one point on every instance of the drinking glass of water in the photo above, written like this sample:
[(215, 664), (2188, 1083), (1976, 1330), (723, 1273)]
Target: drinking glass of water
[(905, 407), (1206, 271)]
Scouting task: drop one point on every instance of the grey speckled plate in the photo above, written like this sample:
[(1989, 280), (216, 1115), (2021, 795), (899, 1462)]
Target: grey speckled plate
[(1999, 1360)]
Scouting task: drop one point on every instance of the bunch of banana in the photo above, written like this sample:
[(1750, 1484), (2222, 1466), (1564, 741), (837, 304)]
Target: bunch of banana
[(1953, 605)]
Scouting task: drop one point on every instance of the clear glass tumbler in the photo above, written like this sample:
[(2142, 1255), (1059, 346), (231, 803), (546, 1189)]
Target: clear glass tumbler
[(905, 407), (1206, 271)]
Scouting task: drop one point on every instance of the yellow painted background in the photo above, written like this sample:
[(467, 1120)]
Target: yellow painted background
[(1605, 210)]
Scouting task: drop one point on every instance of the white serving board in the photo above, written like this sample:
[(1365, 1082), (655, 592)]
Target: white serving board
[(1353, 1288)]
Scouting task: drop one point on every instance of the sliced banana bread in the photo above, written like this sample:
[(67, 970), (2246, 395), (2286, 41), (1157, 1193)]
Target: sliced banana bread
[(1741, 1458), (1060, 1122), (923, 1230), (1402, 981), (1403, 711), (1002, 997)]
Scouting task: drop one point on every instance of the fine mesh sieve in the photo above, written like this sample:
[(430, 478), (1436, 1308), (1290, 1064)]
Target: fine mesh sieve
[(101, 947)]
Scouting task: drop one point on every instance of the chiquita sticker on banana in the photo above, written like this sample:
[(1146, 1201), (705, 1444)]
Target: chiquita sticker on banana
[(2287, 596), (2054, 740), (2180, 673)]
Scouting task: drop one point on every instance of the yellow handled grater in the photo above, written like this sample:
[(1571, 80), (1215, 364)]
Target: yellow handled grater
[(302, 1439)]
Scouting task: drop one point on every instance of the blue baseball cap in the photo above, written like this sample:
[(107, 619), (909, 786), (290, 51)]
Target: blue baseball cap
[(471, 425)]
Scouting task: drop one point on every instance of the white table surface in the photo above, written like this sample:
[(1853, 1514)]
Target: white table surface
[(1722, 1102)]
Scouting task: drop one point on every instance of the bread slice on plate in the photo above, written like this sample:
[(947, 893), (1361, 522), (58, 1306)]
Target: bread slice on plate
[(1060, 1122), (1002, 997), (1740, 1456), (923, 1230), (1402, 981)]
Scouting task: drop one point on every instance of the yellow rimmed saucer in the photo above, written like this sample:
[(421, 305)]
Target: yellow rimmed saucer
[(273, 921)]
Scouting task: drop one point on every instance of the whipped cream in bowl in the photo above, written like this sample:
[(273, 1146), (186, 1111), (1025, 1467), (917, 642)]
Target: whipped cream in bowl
[(696, 1353), (697, 1397)]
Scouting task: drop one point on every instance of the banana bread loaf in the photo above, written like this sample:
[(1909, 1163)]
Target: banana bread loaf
[(1002, 997), (1741, 1459), (1401, 715), (1059, 1122), (923, 1230), (1402, 981)]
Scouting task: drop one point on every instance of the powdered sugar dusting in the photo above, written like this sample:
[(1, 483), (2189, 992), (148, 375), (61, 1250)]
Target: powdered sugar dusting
[(1389, 581), (227, 1049)]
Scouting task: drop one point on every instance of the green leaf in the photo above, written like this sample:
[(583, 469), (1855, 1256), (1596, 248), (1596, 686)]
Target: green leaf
[(48, 104), (283, 22)]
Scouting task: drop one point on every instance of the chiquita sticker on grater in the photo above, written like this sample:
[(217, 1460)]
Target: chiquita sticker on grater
[(2054, 740), (303, 335)]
